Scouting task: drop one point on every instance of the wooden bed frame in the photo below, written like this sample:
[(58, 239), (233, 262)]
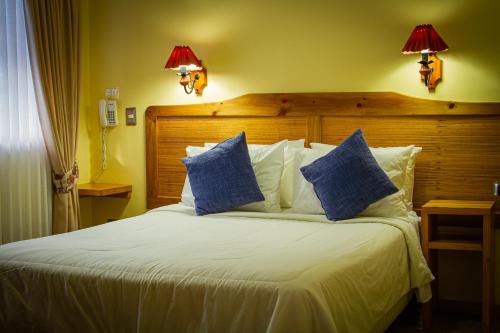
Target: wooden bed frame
[(461, 141)]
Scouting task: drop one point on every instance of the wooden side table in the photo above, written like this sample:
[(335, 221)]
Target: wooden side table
[(104, 190), (432, 240)]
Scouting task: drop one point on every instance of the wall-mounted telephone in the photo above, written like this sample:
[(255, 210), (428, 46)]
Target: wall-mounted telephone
[(108, 112), (108, 117)]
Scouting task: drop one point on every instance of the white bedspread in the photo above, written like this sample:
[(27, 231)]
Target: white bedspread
[(171, 271)]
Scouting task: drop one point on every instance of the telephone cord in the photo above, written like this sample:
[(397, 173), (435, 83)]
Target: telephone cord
[(104, 161)]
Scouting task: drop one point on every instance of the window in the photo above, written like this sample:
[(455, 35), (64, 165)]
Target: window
[(25, 183)]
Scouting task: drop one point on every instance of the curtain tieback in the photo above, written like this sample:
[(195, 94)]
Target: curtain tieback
[(65, 183)]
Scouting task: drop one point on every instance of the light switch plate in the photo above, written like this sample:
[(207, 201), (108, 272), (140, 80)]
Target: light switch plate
[(131, 118)]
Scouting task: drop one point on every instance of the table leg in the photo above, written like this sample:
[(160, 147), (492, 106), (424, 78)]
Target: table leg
[(426, 307), (488, 239)]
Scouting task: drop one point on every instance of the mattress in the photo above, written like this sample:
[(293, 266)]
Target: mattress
[(172, 271)]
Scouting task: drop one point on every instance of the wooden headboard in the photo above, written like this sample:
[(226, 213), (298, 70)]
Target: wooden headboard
[(461, 141)]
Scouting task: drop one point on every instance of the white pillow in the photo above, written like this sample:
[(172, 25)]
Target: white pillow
[(292, 149), (386, 157), (267, 163), (292, 152), (410, 178), (305, 200), (393, 162)]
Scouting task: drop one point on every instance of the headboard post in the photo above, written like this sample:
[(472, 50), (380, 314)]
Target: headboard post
[(314, 129)]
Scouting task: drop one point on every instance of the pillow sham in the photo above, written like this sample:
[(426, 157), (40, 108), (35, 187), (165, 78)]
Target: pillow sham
[(223, 178), (287, 178), (267, 163), (348, 179), (292, 150), (410, 178), (305, 200), (394, 160)]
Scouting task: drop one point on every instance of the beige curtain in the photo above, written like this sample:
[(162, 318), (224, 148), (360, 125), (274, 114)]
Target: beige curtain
[(53, 28)]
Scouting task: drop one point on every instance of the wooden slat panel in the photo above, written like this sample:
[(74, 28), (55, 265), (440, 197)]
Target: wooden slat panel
[(460, 157), (396, 131), (215, 129), (461, 141), (175, 133)]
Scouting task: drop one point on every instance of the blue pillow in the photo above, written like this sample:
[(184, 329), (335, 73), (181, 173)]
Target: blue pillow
[(223, 178), (348, 179)]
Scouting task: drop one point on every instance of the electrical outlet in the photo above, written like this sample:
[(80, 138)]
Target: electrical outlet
[(112, 92), (130, 114)]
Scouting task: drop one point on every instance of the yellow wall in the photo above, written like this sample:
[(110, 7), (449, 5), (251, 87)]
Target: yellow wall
[(265, 46), (83, 151)]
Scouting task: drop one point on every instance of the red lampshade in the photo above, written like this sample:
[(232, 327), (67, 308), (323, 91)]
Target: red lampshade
[(183, 56), (424, 37)]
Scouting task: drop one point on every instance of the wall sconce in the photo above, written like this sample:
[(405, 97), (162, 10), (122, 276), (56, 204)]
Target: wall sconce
[(426, 41), (193, 74)]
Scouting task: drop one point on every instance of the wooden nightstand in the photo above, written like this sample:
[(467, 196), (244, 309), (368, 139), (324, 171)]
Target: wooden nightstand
[(433, 240), (104, 190)]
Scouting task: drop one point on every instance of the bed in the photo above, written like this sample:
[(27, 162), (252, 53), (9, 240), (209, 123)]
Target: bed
[(172, 271)]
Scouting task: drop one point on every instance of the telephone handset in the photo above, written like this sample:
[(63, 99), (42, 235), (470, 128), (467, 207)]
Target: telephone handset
[(108, 112)]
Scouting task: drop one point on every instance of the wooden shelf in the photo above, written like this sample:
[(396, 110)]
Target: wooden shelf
[(104, 190), (448, 244), (459, 207)]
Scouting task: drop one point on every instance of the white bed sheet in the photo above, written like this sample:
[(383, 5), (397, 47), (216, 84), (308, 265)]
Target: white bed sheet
[(171, 271)]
